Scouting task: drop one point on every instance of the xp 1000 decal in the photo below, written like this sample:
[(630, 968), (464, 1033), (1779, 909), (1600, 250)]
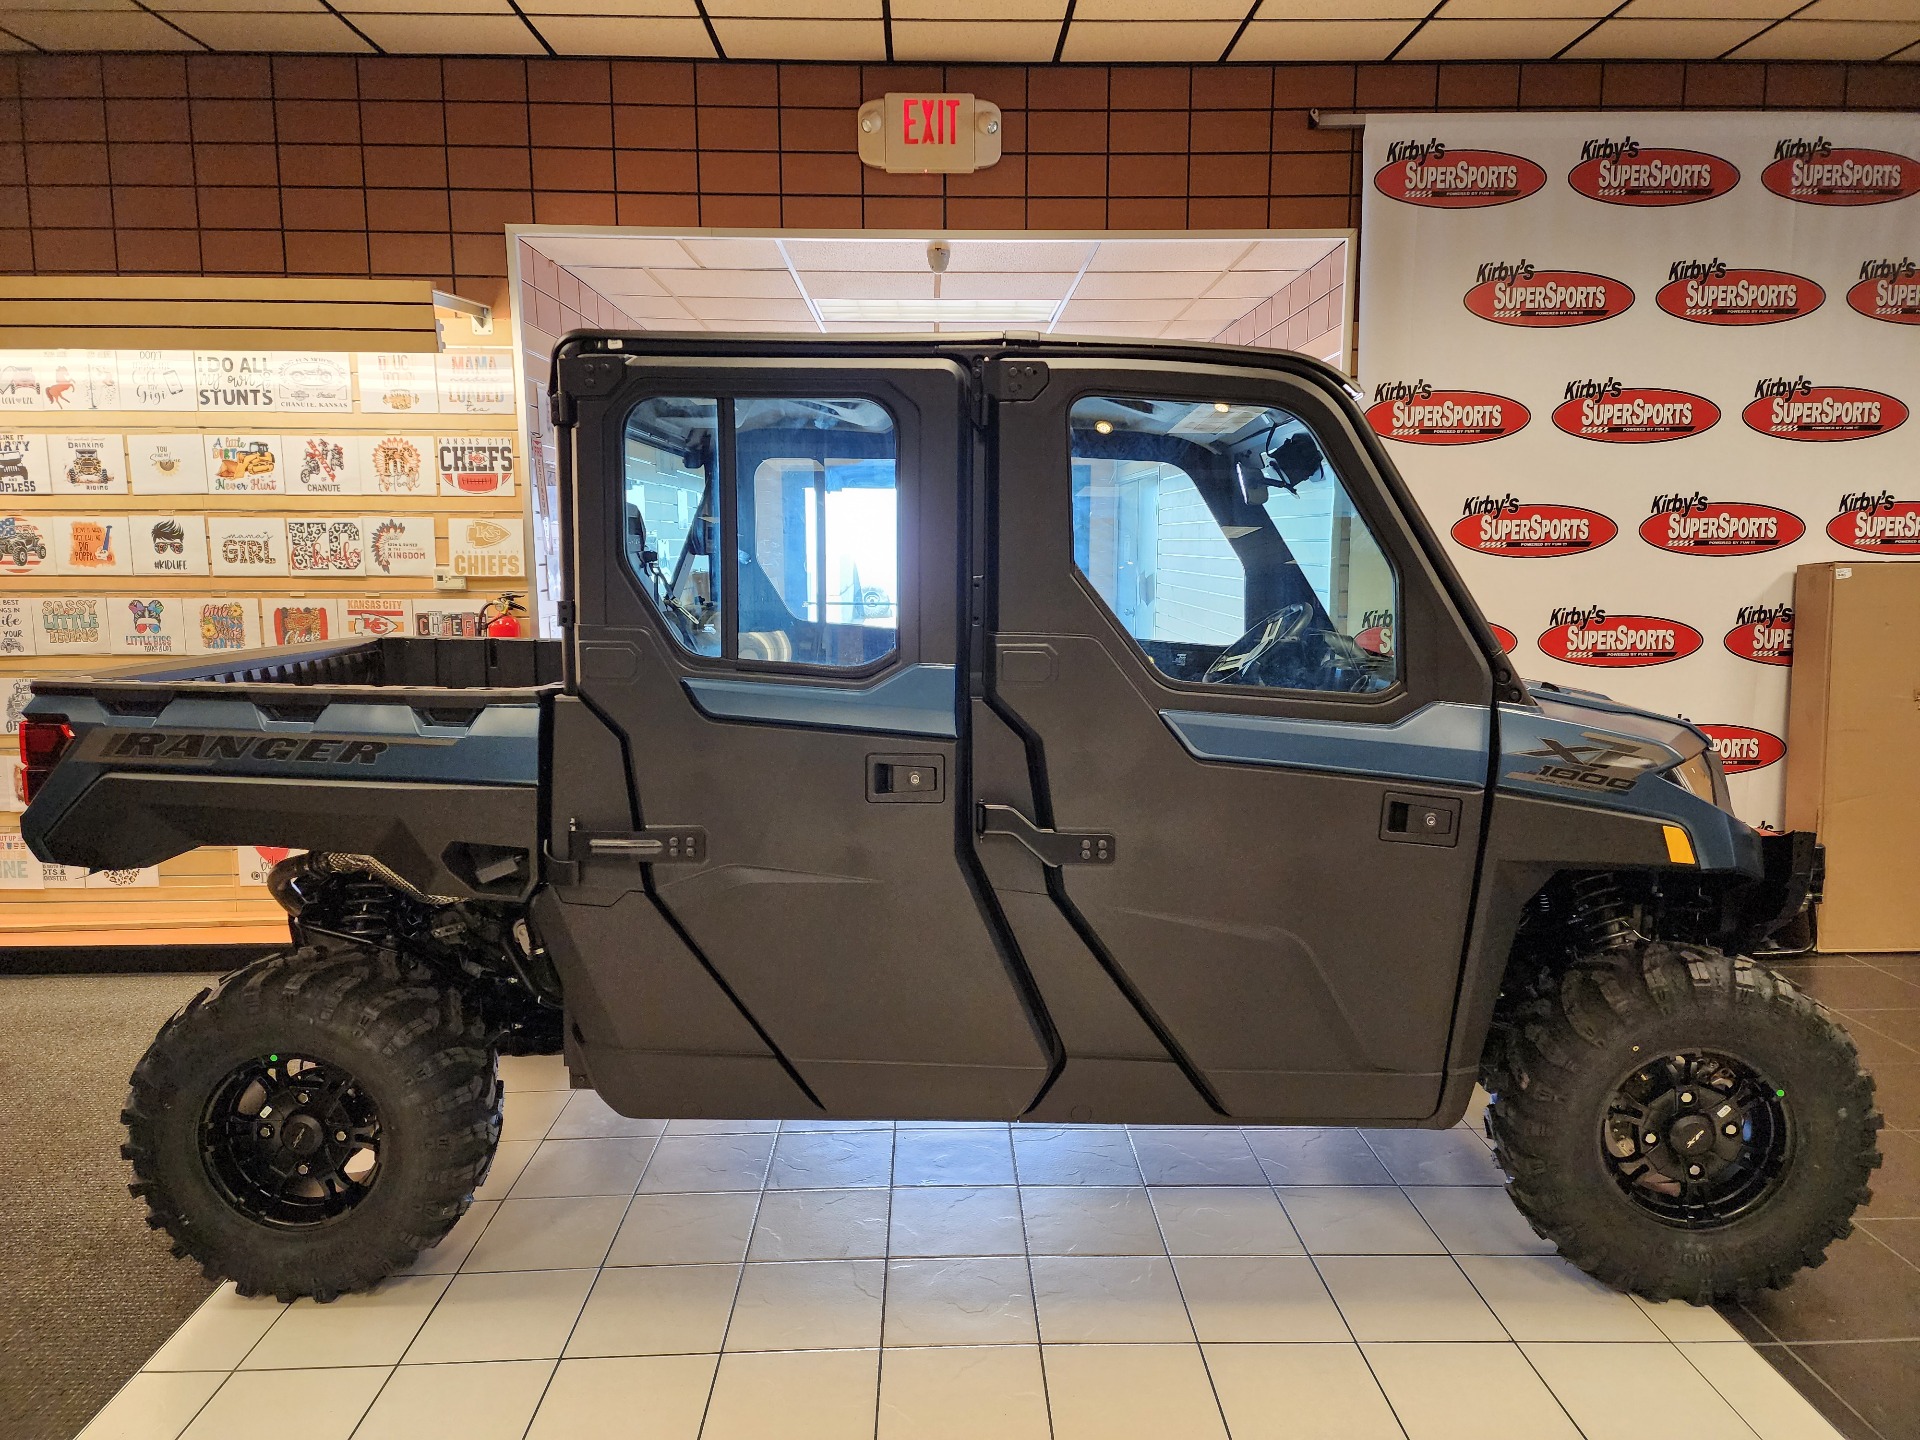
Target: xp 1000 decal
[(1695, 525), (1428, 174), (1417, 413), (1794, 408), (1591, 636), (1887, 290), (1625, 172), (1506, 526), (1877, 524), (1618, 414), (1517, 293), (1818, 172), (1597, 762), (1762, 634), (1709, 292)]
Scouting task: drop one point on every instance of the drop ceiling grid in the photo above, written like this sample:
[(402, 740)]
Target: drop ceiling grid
[(994, 31)]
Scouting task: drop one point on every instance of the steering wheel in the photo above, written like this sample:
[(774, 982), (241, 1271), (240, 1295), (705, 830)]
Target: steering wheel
[(1244, 661)]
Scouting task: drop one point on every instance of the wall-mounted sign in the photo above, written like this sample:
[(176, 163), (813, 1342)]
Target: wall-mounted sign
[(919, 133)]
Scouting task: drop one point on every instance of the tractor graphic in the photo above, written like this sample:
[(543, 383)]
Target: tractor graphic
[(21, 546), (86, 468)]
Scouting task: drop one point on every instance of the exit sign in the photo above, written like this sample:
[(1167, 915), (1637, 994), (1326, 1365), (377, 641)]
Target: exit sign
[(928, 133)]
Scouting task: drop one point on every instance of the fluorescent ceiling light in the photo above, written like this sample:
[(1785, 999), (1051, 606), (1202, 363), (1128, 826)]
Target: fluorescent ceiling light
[(937, 312)]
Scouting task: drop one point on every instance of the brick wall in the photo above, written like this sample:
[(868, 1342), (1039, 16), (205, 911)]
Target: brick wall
[(317, 165)]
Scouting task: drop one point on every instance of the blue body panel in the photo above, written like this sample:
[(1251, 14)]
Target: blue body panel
[(1442, 744), (919, 700)]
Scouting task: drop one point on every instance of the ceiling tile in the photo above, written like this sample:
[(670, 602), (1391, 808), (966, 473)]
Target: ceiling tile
[(734, 253), (424, 9), (608, 35), (1287, 254), (440, 34), (734, 284), (1166, 284), (802, 39), (1492, 39), (613, 283), (1861, 10), (1158, 40), (1234, 10), (1535, 9), (716, 307), (992, 255), (1008, 285), (963, 40), (1158, 311), (1321, 39), (1219, 312), (1294, 10), (96, 30), (319, 34), (612, 252), (979, 10), (641, 9), (1664, 39), (1709, 9), (1830, 40), (1252, 284), (1169, 254), (795, 9), (17, 5), (802, 328), (652, 307), (851, 285), (1908, 56), (254, 7), (859, 256), (1112, 329)]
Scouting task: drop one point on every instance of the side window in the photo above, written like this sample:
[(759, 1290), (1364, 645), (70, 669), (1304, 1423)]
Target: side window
[(812, 490), (673, 514), (1221, 539)]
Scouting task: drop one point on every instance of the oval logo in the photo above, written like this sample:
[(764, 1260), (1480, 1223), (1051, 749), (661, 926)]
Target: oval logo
[(1894, 298), (1741, 297), (1742, 748), (1448, 417), (1764, 636), (1843, 177), (1653, 177), (1641, 416), (1619, 642), (1443, 179), (1890, 527), (1549, 299), (1505, 636), (1722, 527), (1825, 412), (1534, 532)]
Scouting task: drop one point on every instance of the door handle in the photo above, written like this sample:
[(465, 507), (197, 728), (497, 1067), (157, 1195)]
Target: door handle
[(1420, 819), (1050, 847)]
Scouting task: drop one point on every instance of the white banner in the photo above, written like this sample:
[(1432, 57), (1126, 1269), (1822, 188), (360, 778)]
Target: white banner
[(1604, 349)]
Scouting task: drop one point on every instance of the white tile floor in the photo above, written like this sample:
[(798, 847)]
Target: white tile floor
[(756, 1281)]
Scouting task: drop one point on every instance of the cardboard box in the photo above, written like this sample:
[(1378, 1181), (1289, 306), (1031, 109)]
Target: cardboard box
[(1853, 726)]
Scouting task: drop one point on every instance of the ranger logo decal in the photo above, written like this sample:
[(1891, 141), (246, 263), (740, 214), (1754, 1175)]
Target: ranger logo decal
[(202, 745)]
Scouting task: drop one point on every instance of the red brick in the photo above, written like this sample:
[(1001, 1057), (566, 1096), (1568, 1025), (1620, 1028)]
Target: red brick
[(821, 212), (407, 210), (66, 120), (737, 84), (652, 82), (71, 206), (1809, 87), (315, 77), (480, 167), (387, 77), (403, 122), (1150, 131), (475, 211), (1047, 213), (1147, 214), (820, 174), (653, 127), (1003, 85), (66, 164), (1008, 178), (409, 254), (1052, 175), (1381, 87), (573, 169), (498, 122), (1136, 175), (320, 165), (735, 127), (905, 212), (74, 250), (1215, 213), (995, 213), (571, 125), (1295, 133), (1152, 87), (236, 164), (230, 77), (1312, 175), (13, 207), (673, 210), (1066, 132), (480, 254), (155, 207), (1232, 87), (1479, 87), (833, 86), (322, 122), (1229, 175), (327, 252), (1881, 87), (736, 173), (59, 77), (1566, 85), (1296, 212), (143, 76), (11, 126), (304, 208), (255, 252), (572, 208), (16, 251), (240, 207), (155, 120), (1324, 87), (406, 166), (157, 251), (485, 79), (879, 182), (577, 82), (833, 131), (1074, 87), (235, 121), (659, 172), (1631, 85), (1222, 132), (13, 165), (882, 79)]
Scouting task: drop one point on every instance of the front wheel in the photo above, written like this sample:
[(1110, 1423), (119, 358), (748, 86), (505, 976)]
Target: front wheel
[(1681, 1123), (312, 1123)]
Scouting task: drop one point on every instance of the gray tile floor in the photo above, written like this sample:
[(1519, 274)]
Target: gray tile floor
[(751, 1280)]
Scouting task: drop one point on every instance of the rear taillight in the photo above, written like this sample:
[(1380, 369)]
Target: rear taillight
[(42, 743)]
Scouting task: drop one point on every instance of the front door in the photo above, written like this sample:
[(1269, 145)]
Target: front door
[(1224, 650), (767, 564)]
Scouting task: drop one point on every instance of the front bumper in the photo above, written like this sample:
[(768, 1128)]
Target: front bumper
[(1794, 867)]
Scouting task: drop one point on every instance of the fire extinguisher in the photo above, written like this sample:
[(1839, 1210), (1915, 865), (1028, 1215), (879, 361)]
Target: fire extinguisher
[(504, 622)]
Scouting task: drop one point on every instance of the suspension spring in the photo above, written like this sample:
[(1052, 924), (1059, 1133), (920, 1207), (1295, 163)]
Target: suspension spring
[(367, 910), (1602, 918)]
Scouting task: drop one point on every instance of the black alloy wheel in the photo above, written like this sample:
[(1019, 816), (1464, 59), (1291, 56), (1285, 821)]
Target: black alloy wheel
[(291, 1141)]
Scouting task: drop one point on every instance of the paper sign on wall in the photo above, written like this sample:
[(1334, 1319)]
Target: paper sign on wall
[(476, 382), (146, 625), (474, 464), (301, 622), (70, 625), (15, 692), (168, 544), (329, 546), (91, 545), (312, 382), (23, 465), (253, 863), (219, 624), (234, 380), (87, 464), (167, 464), (399, 544), (59, 380), (157, 380), (247, 545), (322, 464), (485, 549), (243, 464), (376, 617), (395, 466), (19, 870), (432, 620), (398, 384), (16, 624), (145, 878), (26, 545)]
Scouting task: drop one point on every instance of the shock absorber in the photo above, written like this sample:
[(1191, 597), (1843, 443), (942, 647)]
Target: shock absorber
[(1602, 917), (365, 909)]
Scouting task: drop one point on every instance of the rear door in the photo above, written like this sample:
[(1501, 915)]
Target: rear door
[(766, 568), (1241, 687)]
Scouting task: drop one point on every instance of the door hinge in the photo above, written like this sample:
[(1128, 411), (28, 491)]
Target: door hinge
[(560, 409), (1016, 379), (566, 612), (1050, 847)]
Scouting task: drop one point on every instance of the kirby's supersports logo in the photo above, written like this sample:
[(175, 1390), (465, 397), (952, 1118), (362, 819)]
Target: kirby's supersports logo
[(1708, 292), (1877, 524), (1888, 290), (1588, 635), (1507, 526), (1794, 408), (1618, 414), (1625, 172), (1417, 413), (1505, 636), (1427, 173), (1516, 293), (1694, 525), (1818, 172), (1742, 748), (1762, 634)]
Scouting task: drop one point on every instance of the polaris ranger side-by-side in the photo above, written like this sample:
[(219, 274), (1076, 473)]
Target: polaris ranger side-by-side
[(999, 728)]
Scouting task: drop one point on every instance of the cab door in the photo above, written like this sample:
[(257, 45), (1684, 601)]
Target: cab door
[(766, 570), (1256, 733)]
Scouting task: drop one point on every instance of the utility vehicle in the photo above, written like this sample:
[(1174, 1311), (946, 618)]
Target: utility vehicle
[(1179, 780)]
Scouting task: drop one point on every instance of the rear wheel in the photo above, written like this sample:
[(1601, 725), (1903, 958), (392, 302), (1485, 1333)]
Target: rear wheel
[(312, 1123), (1681, 1123)]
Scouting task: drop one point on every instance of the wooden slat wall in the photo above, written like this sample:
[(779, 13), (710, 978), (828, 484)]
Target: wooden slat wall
[(114, 312)]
